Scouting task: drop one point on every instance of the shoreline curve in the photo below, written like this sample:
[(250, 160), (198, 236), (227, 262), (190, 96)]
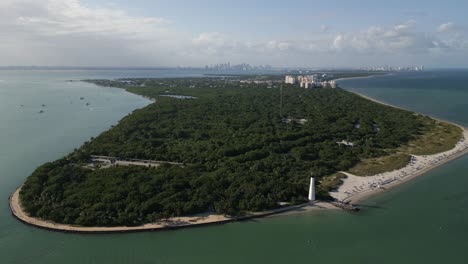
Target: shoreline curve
[(359, 197), (455, 153), (200, 220)]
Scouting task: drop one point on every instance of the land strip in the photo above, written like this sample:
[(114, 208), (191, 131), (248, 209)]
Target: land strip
[(357, 188), (166, 224), (418, 166)]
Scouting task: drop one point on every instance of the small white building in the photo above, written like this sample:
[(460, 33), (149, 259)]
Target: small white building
[(302, 84), (306, 82), (346, 143), (302, 121), (289, 79), (309, 81)]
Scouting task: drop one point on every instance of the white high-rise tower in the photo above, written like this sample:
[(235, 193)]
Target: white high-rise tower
[(312, 189)]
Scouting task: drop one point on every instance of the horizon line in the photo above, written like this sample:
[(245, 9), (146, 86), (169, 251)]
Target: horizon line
[(41, 67)]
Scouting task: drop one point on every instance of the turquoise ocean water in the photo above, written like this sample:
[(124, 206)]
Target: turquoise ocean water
[(424, 221)]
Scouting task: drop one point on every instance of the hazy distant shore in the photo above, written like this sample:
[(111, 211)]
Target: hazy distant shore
[(363, 77)]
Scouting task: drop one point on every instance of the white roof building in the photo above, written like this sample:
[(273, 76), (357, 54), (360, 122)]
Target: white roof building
[(289, 79)]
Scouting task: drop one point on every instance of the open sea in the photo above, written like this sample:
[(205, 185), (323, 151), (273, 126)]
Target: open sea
[(424, 221)]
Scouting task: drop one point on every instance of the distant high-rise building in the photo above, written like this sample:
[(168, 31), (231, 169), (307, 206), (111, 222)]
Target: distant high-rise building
[(240, 67), (290, 79), (310, 81)]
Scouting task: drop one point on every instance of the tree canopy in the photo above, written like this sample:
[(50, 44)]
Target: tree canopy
[(243, 151)]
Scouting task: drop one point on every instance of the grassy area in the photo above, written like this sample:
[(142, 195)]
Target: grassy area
[(374, 166), (331, 183), (439, 137)]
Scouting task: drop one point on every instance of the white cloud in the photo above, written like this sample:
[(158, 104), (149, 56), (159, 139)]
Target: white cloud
[(446, 27), (70, 17), (453, 37), (324, 28), (378, 42), (274, 45), (339, 42), (385, 40), (67, 32), (211, 42)]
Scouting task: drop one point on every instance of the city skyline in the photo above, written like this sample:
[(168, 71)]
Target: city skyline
[(309, 34)]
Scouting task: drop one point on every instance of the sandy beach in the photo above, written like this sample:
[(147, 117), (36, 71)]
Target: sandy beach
[(168, 224), (362, 77), (357, 188)]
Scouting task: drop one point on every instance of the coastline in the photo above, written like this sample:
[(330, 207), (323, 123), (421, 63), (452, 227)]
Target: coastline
[(362, 77), (354, 188), (394, 178), (167, 224), (213, 219)]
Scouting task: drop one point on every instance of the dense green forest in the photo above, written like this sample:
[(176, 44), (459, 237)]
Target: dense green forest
[(242, 144)]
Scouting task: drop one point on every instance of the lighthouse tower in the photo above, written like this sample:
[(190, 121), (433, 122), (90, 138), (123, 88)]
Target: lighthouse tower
[(312, 189)]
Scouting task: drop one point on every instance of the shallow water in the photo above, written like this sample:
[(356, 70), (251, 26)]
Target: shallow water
[(424, 221)]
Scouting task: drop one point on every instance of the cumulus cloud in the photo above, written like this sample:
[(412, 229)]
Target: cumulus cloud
[(396, 39), (324, 28), (453, 37), (278, 45), (213, 43), (69, 17), (67, 32), (216, 43), (446, 27)]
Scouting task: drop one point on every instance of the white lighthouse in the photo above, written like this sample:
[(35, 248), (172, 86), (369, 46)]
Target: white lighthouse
[(312, 189)]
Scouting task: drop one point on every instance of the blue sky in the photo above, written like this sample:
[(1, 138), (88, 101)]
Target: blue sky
[(292, 33), (279, 16)]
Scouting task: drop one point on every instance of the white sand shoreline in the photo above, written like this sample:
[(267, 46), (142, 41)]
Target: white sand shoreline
[(358, 188), (362, 77), (167, 224)]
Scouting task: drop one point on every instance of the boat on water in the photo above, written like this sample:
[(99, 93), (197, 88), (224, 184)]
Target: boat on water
[(41, 112)]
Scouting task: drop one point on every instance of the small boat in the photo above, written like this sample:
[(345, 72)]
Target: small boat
[(81, 98), (41, 112), (43, 105), (87, 104)]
